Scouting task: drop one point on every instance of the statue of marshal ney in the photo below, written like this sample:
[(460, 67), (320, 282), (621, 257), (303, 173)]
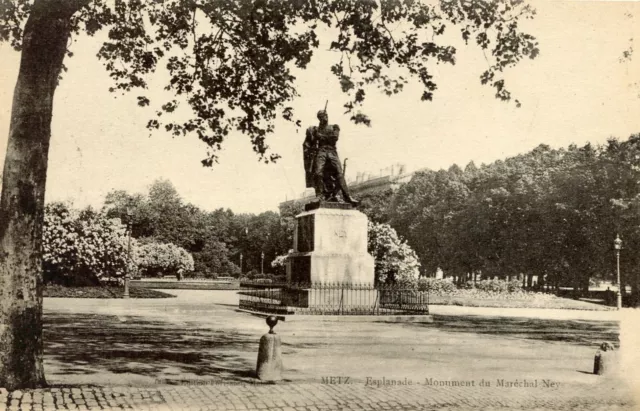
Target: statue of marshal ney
[(330, 238), (323, 170)]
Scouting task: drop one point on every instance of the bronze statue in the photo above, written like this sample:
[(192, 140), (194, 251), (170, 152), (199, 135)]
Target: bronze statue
[(322, 167)]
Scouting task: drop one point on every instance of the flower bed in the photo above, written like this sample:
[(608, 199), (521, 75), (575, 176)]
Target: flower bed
[(58, 291), (529, 300), (498, 293)]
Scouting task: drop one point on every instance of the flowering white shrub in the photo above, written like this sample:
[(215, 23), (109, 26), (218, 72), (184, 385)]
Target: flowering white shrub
[(86, 247), (82, 247), (155, 258), (395, 261), (281, 260)]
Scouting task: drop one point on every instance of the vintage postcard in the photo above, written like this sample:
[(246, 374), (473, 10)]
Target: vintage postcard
[(319, 205)]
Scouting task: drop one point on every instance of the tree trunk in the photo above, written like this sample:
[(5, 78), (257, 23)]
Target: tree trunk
[(22, 202), (585, 286), (635, 291), (576, 286)]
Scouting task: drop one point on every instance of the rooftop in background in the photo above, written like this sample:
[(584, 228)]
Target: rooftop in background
[(391, 177)]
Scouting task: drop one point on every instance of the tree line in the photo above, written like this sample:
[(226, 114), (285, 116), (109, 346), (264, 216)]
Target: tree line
[(216, 239), (84, 247), (550, 213)]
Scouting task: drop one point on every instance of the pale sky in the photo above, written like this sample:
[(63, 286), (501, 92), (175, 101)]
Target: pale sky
[(576, 91)]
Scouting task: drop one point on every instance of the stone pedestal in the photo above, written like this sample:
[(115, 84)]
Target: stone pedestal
[(330, 246)]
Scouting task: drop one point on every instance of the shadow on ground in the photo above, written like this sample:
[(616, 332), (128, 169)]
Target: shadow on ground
[(587, 333), (85, 344)]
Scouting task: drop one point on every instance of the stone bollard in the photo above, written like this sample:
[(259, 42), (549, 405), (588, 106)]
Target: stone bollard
[(606, 360), (269, 354)]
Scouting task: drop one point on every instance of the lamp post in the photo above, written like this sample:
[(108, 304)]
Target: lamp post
[(244, 245), (126, 270), (617, 245), (262, 263)]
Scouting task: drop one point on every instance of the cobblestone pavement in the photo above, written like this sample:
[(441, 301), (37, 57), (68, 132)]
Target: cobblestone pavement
[(219, 395)]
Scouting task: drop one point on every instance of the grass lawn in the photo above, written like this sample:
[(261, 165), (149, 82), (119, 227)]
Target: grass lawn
[(58, 291), (549, 301)]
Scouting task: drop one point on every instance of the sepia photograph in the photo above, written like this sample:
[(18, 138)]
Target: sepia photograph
[(306, 205)]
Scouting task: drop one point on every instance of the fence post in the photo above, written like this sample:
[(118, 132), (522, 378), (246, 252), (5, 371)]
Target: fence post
[(341, 298)]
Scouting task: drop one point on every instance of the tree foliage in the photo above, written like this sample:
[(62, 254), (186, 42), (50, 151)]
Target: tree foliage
[(375, 204), (215, 259), (550, 212), (161, 216), (267, 233), (232, 63), (215, 239)]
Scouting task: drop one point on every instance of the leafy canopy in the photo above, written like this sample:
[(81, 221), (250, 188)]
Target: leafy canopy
[(230, 61), (548, 212)]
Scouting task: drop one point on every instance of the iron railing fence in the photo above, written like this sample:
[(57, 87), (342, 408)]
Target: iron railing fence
[(332, 298)]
